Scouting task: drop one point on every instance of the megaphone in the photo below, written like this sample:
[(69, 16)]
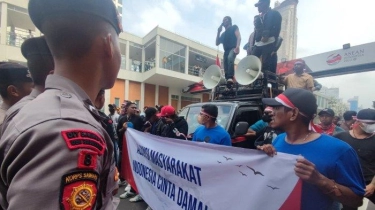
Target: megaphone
[(248, 70), (213, 77)]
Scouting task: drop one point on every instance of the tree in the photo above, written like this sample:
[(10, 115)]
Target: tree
[(338, 106)]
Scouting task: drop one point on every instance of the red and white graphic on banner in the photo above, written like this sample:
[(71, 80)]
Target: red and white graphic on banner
[(175, 174)]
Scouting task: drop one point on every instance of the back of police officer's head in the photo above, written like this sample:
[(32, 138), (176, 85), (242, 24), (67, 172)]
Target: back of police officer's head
[(15, 82), (81, 33), (39, 59)]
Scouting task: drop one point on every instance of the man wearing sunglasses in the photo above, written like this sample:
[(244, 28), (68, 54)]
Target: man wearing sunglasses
[(174, 126), (210, 131)]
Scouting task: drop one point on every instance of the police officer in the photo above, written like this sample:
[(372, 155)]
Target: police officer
[(40, 64), (15, 83), (55, 153)]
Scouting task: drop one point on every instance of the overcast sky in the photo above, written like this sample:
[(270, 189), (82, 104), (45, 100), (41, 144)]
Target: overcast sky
[(323, 25)]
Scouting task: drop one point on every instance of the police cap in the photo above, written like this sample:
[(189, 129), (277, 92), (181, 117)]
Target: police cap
[(41, 10)]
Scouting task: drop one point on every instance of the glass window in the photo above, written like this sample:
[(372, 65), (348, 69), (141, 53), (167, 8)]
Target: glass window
[(119, 9), (193, 112), (150, 51), (199, 61), (117, 102), (123, 56), (135, 56), (172, 55)]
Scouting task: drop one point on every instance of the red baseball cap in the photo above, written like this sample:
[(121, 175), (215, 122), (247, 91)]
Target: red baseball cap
[(167, 111)]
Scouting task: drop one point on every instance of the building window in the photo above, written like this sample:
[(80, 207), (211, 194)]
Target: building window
[(150, 51), (123, 56), (172, 55), (199, 62), (135, 51), (119, 9), (117, 102), (175, 97)]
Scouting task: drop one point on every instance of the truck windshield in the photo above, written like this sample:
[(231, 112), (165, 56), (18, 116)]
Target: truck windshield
[(193, 112)]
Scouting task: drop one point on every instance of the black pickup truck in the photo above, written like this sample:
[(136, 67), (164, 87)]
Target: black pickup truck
[(241, 103)]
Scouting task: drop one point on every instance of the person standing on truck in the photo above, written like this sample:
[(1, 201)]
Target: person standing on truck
[(231, 40), (299, 79), (210, 131)]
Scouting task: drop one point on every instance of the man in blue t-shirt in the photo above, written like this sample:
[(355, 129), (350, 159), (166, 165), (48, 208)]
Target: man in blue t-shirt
[(261, 124), (329, 168), (210, 131)]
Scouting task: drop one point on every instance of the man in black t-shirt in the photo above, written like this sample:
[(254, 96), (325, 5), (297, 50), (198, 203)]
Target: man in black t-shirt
[(266, 35), (231, 40), (362, 140)]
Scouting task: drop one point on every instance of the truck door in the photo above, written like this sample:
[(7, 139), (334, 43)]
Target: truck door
[(244, 114)]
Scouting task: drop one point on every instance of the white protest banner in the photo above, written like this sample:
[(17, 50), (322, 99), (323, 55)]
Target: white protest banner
[(175, 174)]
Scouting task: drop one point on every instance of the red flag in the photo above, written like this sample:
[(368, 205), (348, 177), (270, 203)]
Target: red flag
[(126, 170), (218, 60)]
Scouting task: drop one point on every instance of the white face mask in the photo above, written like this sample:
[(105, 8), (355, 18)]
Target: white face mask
[(368, 128)]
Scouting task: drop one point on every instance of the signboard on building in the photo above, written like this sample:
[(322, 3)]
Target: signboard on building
[(358, 58)]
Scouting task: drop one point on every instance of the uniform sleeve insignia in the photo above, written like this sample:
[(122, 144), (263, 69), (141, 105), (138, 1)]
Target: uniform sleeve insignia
[(84, 139), (79, 190), (87, 159)]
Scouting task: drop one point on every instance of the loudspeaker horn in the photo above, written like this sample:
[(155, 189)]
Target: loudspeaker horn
[(248, 70), (212, 77)]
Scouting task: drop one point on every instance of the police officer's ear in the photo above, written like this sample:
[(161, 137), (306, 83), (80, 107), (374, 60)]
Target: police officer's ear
[(109, 48), (12, 91)]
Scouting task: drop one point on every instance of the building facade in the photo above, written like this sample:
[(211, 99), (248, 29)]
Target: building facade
[(288, 11), (154, 68), (353, 104)]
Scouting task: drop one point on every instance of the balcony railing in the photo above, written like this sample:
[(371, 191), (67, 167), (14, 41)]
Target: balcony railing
[(16, 39), (195, 71)]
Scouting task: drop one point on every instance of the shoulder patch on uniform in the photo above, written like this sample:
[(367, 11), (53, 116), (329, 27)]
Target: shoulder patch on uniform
[(84, 139), (87, 159), (78, 190)]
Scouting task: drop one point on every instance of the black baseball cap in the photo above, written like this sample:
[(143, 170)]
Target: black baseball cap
[(302, 99), (327, 111), (366, 115), (262, 2), (149, 112), (11, 73), (40, 10), (348, 115)]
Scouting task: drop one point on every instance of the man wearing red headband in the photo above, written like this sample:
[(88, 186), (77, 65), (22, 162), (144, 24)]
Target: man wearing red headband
[(329, 168), (362, 138), (210, 131)]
